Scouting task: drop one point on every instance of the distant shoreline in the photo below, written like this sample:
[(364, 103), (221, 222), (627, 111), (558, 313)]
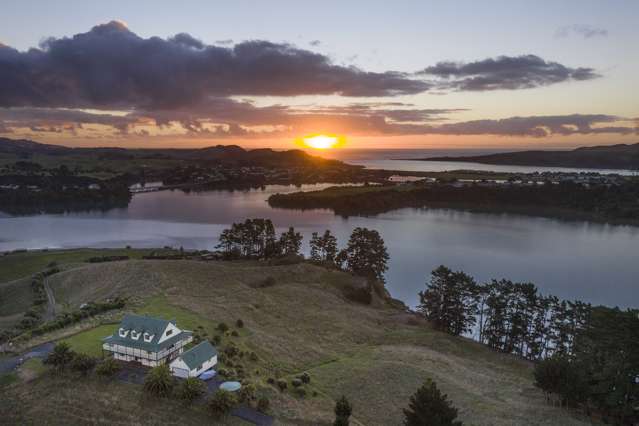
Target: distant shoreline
[(615, 157)]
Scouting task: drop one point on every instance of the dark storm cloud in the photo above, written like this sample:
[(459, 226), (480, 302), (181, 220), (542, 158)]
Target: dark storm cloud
[(57, 118), (538, 126), (585, 31), (110, 66), (504, 72)]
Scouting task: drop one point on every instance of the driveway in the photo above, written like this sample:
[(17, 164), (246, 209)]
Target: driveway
[(9, 364)]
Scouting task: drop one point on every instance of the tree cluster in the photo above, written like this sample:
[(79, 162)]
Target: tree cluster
[(601, 373), (586, 356), (365, 254), (507, 316)]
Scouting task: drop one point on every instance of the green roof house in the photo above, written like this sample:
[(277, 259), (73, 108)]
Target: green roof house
[(149, 341), (195, 361)]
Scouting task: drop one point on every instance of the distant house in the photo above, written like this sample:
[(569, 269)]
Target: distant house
[(149, 341), (195, 361)]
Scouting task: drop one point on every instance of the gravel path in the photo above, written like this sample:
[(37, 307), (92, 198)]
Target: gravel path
[(49, 314)]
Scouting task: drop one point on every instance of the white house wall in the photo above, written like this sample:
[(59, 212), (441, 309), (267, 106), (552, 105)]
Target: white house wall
[(178, 366)]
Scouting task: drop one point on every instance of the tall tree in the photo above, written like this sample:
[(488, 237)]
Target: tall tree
[(290, 242), (429, 407), (366, 254), (324, 248), (450, 301)]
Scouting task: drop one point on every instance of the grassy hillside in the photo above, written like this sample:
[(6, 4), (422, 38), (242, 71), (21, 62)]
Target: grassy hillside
[(375, 355)]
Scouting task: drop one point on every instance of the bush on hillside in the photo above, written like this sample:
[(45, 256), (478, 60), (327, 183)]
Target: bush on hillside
[(191, 389), (83, 364), (159, 381), (429, 406), (221, 403), (108, 368), (60, 357)]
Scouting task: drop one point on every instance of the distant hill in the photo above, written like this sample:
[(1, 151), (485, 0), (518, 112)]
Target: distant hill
[(620, 156), (220, 153)]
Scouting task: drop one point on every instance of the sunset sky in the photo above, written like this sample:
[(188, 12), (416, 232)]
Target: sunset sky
[(405, 74)]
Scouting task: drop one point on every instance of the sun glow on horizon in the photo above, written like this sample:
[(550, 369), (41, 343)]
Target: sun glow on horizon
[(321, 141)]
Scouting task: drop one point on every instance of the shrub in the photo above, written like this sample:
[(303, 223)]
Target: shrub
[(305, 378), (239, 323), (291, 259), (270, 381), (253, 357), (296, 383), (61, 356), (231, 350), (159, 381), (343, 410), (361, 295), (222, 327), (557, 375), (221, 403), (247, 392), (217, 339), (107, 368), (282, 385), (263, 404), (268, 282), (83, 363), (234, 333), (427, 404), (191, 389)]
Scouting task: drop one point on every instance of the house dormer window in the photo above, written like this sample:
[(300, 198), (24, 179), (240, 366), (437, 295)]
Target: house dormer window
[(169, 332), (135, 335), (123, 332), (148, 337)]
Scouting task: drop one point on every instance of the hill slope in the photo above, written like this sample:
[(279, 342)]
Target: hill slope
[(376, 355), (227, 154), (597, 157)]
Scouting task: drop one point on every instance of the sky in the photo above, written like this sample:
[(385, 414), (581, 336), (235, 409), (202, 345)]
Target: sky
[(404, 74)]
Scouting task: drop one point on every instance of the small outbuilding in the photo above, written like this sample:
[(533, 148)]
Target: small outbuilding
[(195, 361)]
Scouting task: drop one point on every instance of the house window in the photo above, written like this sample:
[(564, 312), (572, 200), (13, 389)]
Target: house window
[(169, 332), (123, 332)]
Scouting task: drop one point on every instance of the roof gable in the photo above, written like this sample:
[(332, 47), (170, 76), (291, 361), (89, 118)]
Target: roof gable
[(146, 333), (198, 354), (142, 324)]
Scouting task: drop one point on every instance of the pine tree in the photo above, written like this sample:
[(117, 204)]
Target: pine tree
[(366, 254), (429, 407), (450, 301), (343, 410), (290, 242)]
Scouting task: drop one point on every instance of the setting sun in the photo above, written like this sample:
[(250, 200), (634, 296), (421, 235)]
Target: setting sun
[(321, 141)]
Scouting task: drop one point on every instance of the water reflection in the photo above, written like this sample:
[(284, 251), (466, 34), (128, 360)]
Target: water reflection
[(593, 262)]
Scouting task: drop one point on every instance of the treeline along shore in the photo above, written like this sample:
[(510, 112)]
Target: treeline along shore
[(617, 203)]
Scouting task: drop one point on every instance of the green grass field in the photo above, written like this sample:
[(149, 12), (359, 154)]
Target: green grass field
[(15, 297), (375, 355), (90, 341), (18, 265)]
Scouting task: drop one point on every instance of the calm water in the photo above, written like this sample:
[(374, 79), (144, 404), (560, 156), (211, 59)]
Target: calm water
[(596, 263), (401, 159)]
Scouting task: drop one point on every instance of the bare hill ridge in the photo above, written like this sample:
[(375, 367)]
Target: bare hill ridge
[(620, 156)]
